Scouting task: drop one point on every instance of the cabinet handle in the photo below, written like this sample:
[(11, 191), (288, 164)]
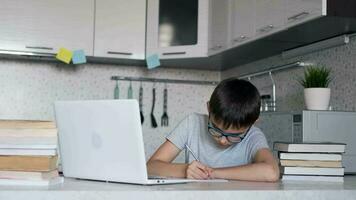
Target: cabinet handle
[(266, 28), (217, 47), (119, 53), (38, 47), (298, 16), (174, 53), (240, 39)]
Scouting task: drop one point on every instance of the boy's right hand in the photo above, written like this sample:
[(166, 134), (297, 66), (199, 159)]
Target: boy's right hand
[(197, 170)]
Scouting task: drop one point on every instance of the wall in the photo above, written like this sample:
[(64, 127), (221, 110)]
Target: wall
[(29, 88), (341, 60)]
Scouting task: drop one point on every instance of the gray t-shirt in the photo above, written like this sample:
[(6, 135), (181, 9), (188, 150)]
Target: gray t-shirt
[(193, 131)]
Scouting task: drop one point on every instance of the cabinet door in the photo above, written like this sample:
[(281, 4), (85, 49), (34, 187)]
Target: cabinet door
[(269, 16), (242, 21), (120, 28), (43, 26), (177, 28), (298, 11), (218, 22)]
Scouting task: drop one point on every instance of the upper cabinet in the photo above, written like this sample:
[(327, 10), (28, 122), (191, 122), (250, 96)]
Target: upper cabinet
[(270, 16), (186, 28), (177, 28), (254, 19), (298, 11), (44, 26), (120, 29), (242, 21), (218, 26)]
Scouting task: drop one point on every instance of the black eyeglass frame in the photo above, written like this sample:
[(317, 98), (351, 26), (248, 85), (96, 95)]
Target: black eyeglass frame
[(240, 135)]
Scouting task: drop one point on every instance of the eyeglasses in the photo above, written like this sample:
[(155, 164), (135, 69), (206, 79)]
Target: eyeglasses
[(231, 137)]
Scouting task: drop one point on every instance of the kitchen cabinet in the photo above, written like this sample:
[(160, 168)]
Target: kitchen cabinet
[(186, 28), (177, 28), (43, 26), (299, 11), (120, 29), (242, 21), (269, 16), (218, 26)]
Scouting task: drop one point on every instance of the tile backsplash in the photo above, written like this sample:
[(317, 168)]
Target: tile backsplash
[(29, 88), (341, 60)]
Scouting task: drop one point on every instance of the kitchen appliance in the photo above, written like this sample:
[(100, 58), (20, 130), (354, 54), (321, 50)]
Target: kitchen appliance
[(313, 126)]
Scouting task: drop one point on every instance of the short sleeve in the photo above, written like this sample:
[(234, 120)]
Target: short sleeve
[(179, 135), (256, 142)]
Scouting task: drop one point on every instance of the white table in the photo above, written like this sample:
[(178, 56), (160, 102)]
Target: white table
[(92, 190)]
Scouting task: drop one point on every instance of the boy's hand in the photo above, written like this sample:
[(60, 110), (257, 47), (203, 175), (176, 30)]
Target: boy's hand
[(197, 170)]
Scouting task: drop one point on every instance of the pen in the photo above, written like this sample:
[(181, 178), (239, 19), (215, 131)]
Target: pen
[(187, 147)]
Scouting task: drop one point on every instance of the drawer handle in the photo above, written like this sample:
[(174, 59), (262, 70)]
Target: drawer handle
[(266, 28), (174, 53), (119, 53), (298, 16), (38, 47)]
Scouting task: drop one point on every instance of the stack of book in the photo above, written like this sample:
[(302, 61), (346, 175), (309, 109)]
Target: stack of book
[(28, 153), (311, 161)]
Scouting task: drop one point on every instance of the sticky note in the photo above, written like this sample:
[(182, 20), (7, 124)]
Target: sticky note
[(79, 57), (153, 61), (64, 55)]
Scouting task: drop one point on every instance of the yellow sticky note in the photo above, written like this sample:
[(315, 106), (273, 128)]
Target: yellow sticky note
[(64, 55)]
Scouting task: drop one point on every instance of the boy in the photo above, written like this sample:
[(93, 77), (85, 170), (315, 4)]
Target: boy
[(225, 142)]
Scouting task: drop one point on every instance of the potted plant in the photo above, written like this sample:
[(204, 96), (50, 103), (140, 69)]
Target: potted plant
[(316, 92)]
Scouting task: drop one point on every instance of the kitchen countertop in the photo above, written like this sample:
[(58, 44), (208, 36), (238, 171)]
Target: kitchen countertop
[(82, 189)]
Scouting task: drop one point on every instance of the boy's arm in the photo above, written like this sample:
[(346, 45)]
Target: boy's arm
[(263, 168), (160, 162)]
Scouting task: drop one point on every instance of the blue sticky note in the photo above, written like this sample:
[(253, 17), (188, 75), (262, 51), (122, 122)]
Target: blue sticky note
[(153, 61), (79, 57)]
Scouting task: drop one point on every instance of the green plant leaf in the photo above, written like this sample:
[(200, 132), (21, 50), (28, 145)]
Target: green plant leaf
[(316, 77)]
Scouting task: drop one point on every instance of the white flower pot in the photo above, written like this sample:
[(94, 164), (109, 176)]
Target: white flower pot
[(317, 98)]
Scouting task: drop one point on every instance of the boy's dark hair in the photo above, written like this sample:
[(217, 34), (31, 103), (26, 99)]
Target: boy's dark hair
[(235, 103)]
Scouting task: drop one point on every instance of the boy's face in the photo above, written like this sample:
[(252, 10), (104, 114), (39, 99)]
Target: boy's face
[(223, 141)]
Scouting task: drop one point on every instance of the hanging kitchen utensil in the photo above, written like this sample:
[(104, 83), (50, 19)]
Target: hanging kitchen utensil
[(165, 118), (117, 90), (153, 119), (129, 91), (140, 102)]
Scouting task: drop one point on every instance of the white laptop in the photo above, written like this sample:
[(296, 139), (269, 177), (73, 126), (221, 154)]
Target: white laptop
[(102, 140)]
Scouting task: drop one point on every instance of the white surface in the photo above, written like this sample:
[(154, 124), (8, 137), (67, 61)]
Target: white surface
[(80, 189), (42, 23), (120, 26)]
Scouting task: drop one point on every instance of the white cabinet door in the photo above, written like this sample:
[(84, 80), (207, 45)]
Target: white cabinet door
[(242, 18), (120, 28), (218, 25), (44, 26), (298, 11), (168, 46), (269, 16)]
